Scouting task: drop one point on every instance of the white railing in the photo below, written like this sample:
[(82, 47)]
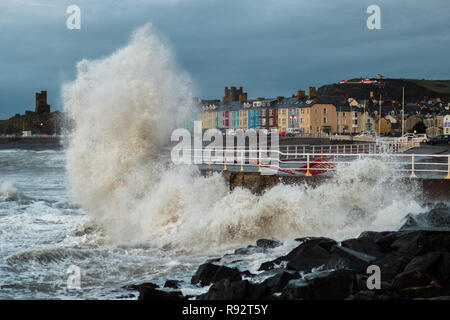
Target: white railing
[(414, 165)]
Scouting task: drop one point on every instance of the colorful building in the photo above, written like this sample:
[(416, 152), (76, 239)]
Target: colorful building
[(282, 119), (243, 119)]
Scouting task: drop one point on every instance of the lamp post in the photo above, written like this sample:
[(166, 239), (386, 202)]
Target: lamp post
[(379, 118), (403, 111)]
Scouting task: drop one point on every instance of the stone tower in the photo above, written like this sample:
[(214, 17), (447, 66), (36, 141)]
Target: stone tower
[(41, 103)]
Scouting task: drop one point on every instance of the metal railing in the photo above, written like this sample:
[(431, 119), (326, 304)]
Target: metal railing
[(289, 163)]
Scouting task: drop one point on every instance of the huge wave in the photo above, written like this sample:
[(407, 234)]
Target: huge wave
[(124, 107)]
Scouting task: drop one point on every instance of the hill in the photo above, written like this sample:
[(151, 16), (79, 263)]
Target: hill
[(415, 89)]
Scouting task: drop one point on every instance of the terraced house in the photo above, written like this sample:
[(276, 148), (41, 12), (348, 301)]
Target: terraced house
[(316, 116)]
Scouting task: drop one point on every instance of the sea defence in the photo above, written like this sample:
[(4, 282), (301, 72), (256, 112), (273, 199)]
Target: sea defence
[(432, 189)]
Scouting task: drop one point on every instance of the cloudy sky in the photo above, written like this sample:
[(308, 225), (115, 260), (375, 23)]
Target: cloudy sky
[(271, 47)]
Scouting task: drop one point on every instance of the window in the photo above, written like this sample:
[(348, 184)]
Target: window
[(324, 120), (324, 110)]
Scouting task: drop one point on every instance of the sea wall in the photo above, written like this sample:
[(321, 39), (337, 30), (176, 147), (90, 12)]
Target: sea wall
[(433, 189)]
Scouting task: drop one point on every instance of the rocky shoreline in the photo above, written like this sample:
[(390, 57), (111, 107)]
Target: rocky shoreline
[(414, 263)]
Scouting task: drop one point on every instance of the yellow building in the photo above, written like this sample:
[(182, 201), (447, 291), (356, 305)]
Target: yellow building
[(323, 119), (207, 119), (304, 121), (348, 120), (383, 126), (283, 119), (243, 119)]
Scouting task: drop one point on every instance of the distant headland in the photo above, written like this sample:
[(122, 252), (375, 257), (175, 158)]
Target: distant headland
[(40, 122)]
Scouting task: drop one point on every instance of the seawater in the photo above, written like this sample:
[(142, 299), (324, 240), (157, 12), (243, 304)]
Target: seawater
[(114, 205)]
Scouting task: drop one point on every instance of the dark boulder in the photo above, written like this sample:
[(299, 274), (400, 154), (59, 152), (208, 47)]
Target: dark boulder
[(345, 258), (438, 217), (279, 281), (235, 290), (391, 265), (297, 289), (149, 292), (311, 253), (415, 284), (413, 222), (248, 250), (174, 284), (210, 273), (269, 265), (365, 244), (309, 258), (268, 243), (435, 264), (332, 285)]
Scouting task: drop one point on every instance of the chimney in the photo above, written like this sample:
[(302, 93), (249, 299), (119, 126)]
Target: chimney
[(242, 98), (279, 98), (301, 94), (195, 101), (312, 92)]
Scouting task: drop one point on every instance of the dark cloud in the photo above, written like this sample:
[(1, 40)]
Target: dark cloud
[(271, 47)]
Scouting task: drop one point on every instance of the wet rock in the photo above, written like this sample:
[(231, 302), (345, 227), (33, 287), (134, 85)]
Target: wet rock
[(332, 285), (391, 265), (247, 274), (435, 264), (364, 243), (249, 250), (136, 287), (444, 270), (311, 253), (269, 265), (415, 284), (427, 263), (174, 284), (210, 273), (438, 217), (268, 243), (279, 281), (149, 292), (409, 242), (345, 258), (235, 290), (297, 289)]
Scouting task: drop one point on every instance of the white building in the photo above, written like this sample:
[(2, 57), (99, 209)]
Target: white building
[(447, 124)]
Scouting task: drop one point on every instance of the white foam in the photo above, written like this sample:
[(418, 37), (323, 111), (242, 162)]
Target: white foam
[(124, 107)]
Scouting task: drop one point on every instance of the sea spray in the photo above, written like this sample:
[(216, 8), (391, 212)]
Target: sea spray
[(124, 107), (9, 191)]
